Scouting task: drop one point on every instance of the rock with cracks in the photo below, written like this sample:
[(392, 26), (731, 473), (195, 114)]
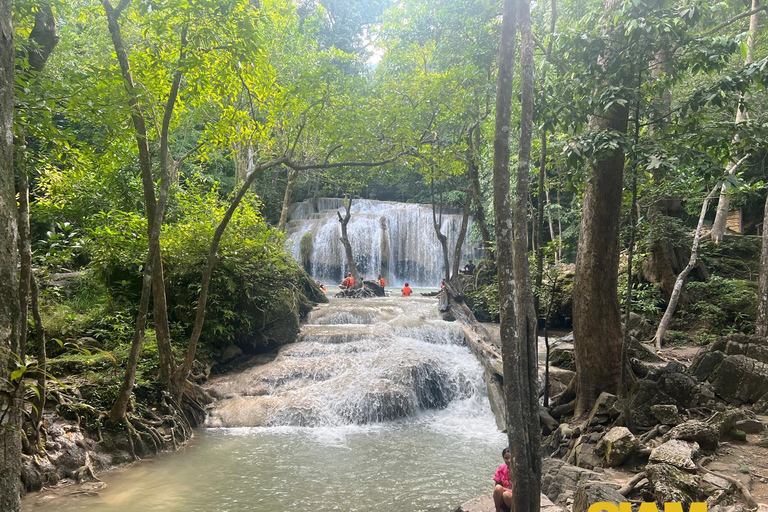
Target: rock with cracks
[(616, 446)]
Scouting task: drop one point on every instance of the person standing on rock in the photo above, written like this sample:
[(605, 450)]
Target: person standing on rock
[(380, 281), (407, 290), (502, 491), (348, 282)]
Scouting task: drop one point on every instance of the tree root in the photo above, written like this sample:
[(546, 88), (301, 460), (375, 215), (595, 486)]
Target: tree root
[(650, 434), (751, 503), (629, 486)]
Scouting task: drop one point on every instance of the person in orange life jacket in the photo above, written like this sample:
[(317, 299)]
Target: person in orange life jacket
[(381, 282), (442, 284), (502, 480), (322, 287), (407, 290), (348, 282)]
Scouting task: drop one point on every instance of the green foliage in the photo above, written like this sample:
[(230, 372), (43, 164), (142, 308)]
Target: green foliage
[(484, 302), (722, 305)]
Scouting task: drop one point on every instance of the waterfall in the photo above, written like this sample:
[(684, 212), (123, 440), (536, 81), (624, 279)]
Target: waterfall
[(396, 240), (356, 363)]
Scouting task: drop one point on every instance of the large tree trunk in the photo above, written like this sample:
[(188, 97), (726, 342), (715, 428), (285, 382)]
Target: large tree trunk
[(510, 345), (677, 290), (525, 434), (718, 226), (345, 241), (10, 413), (292, 175), (596, 315)]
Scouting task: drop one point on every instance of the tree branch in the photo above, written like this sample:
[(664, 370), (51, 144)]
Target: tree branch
[(734, 20)]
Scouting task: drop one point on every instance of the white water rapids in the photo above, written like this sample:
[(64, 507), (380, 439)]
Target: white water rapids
[(378, 406)]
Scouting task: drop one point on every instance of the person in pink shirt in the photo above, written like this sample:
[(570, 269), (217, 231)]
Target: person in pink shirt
[(502, 491)]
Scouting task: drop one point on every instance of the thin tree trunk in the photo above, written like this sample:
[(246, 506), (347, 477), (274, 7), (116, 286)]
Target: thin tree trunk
[(292, 175), (670, 311), (462, 234), (721, 217), (596, 313), (473, 143), (10, 413), (436, 223), (25, 259), (182, 372), (38, 400), (525, 434), (761, 324), (345, 241)]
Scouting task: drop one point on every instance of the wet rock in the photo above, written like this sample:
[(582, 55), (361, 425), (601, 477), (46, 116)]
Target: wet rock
[(616, 446), (667, 414), (677, 453), (671, 484), (593, 492), (559, 479), (707, 436)]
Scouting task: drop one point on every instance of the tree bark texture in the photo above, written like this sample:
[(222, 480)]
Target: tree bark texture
[(525, 434), (723, 205), (10, 424), (473, 166), (761, 324), (38, 400), (436, 223), (596, 314)]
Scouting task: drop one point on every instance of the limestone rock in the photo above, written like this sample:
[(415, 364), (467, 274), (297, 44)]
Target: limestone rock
[(593, 492), (702, 433), (711, 484), (677, 453), (562, 357), (667, 414), (230, 353), (583, 454), (672, 484), (485, 504), (559, 479), (750, 426), (604, 410), (616, 446)]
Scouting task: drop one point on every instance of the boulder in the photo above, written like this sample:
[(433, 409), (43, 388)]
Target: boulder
[(584, 455), (676, 453), (750, 426), (606, 409), (642, 352), (616, 446), (562, 357), (559, 479), (705, 435), (667, 414), (594, 492), (230, 353), (671, 484)]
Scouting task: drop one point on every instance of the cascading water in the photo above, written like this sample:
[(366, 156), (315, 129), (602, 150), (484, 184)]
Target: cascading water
[(378, 406), (396, 240)]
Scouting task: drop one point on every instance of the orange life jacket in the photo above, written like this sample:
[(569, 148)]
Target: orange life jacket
[(382, 282), (406, 291)]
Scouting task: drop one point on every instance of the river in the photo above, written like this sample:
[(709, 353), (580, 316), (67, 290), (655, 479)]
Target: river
[(379, 406)]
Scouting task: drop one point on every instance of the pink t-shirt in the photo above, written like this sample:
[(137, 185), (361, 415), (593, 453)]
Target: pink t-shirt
[(503, 477)]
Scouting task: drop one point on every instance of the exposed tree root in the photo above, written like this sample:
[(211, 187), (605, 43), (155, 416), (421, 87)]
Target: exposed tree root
[(629, 486), (751, 503)]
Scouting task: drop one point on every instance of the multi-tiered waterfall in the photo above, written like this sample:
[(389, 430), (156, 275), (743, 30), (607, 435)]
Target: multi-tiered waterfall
[(396, 240)]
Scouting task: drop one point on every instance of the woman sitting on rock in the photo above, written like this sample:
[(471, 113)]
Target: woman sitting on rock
[(502, 491)]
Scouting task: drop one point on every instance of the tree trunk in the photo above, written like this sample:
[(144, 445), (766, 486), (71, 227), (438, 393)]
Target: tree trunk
[(292, 175), (436, 223), (761, 324), (462, 234), (718, 226), (38, 400), (10, 413), (180, 378), (525, 434), (345, 241), (596, 315), (241, 158), (473, 144), (670, 311)]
